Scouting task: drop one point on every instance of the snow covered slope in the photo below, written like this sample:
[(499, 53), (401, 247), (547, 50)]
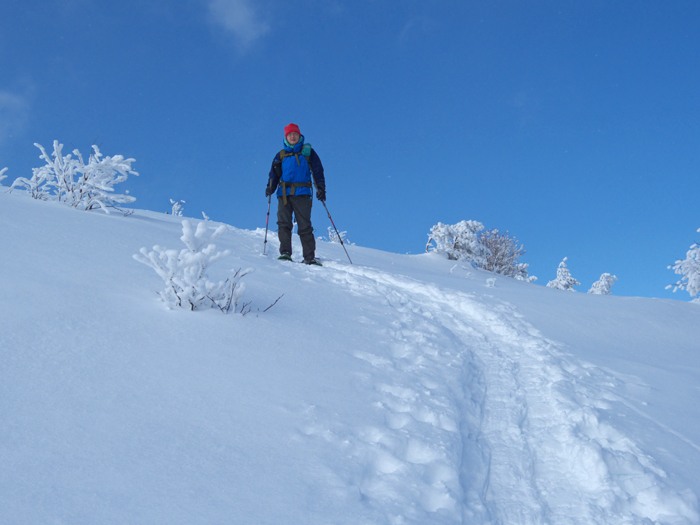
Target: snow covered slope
[(398, 390)]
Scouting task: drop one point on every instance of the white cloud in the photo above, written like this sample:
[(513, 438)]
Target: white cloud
[(14, 114), (239, 18)]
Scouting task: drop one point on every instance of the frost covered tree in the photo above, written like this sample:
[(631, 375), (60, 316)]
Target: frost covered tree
[(85, 186), (337, 238), (503, 254), (459, 241), (95, 188), (602, 286), (564, 281), (178, 207), (689, 268), (184, 272), (2, 174)]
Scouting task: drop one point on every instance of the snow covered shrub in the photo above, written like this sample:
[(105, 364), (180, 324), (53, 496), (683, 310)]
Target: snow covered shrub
[(178, 207), (184, 272), (334, 237), (2, 176), (602, 286), (459, 241), (37, 186), (84, 186), (503, 254), (564, 281), (689, 268)]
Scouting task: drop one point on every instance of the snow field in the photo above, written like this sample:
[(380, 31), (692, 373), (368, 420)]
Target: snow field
[(399, 390), (542, 428)]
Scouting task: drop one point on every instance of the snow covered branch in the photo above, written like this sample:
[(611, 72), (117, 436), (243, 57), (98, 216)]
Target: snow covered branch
[(37, 186), (336, 238), (178, 207), (2, 174), (184, 272), (689, 268), (503, 254), (564, 280), (491, 250), (84, 186), (602, 286), (459, 241)]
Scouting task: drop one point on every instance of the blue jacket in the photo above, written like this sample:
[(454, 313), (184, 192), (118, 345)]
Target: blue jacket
[(295, 169)]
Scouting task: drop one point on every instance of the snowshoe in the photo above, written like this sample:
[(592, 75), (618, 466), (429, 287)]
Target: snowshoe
[(284, 257), (314, 262)]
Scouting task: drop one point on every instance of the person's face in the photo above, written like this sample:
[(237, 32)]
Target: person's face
[(293, 138)]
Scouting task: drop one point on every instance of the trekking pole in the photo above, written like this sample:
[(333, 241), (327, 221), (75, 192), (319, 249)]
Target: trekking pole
[(336, 231), (269, 200), (313, 180)]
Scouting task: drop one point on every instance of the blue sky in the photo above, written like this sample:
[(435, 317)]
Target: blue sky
[(573, 125)]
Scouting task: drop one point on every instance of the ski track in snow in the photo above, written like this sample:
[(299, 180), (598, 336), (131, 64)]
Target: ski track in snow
[(506, 429)]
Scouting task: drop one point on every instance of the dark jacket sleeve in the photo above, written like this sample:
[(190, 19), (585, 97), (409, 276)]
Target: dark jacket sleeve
[(317, 169), (275, 173)]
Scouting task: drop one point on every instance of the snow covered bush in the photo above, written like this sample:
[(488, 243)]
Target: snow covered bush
[(84, 186), (178, 207), (689, 268), (184, 272), (37, 186), (602, 286), (459, 241), (337, 238), (2, 175), (502, 255), (564, 281)]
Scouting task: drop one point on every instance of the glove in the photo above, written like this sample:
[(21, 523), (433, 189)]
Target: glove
[(321, 194), (269, 191)]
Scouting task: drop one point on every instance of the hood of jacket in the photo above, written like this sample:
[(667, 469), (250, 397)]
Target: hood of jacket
[(296, 148)]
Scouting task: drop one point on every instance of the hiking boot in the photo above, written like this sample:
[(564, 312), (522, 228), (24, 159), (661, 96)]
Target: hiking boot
[(312, 261), (284, 257)]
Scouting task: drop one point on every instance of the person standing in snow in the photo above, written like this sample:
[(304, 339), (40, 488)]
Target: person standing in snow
[(291, 175)]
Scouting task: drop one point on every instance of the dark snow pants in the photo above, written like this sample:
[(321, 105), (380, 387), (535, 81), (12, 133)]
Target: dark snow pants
[(300, 205)]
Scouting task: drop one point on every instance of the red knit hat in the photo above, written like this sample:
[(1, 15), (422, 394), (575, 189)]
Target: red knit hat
[(291, 129)]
